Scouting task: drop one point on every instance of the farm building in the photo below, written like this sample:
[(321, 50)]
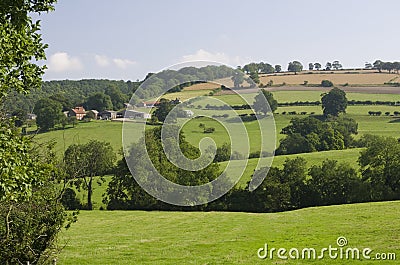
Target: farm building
[(133, 114), (78, 112), (148, 104), (31, 116), (107, 115), (93, 113), (189, 113)]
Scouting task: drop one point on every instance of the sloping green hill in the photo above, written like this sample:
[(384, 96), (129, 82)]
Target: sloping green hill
[(136, 237)]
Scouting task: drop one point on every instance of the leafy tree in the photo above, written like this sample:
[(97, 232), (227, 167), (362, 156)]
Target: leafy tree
[(123, 191), (21, 45), (163, 109), (389, 66), (237, 78), (295, 144), (251, 67), (295, 67), (334, 102), (310, 134), (223, 153), (334, 183), (266, 68), (336, 65), (278, 68), (49, 114), (260, 104), (99, 101), (254, 76), (117, 97), (378, 65), (317, 66), (396, 66), (326, 83), (310, 66), (368, 65), (85, 161), (272, 195), (380, 166), (63, 100), (295, 175), (328, 66), (20, 117), (30, 213)]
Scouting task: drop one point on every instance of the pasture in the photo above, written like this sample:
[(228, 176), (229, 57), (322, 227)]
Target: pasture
[(111, 131), (137, 237)]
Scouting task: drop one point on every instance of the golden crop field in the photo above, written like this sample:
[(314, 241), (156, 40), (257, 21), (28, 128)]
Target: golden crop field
[(338, 78), (214, 84)]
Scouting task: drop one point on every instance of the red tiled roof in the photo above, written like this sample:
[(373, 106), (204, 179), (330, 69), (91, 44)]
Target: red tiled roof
[(79, 110)]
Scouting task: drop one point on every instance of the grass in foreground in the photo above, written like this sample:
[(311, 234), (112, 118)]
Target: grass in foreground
[(137, 237)]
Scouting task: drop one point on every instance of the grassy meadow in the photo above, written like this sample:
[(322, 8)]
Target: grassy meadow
[(111, 131), (137, 237)]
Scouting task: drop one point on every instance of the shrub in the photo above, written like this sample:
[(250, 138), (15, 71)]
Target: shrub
[(70, 201), (326, 83), (209, 130)]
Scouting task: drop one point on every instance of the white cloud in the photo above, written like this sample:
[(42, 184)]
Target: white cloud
[(123, 63), (102, 60), (62, 62), (220, 57)]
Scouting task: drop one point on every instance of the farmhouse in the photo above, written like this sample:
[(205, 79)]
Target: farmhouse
[(188, 113), (77, 112), (133, 114), (107, 115), (148, 104)]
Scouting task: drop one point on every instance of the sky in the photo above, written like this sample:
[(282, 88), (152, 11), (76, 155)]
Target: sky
[(126, 39)]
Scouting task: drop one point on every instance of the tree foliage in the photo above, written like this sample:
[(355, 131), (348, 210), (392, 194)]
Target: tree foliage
[(261, 106), (85, 161), (49, 114), (238, 79), (98, 101), (334, 102), (30, 211), (380, 166), (163, 109), (69, 93), (295, 67), (117, 97), (123, 191), (311, 134)]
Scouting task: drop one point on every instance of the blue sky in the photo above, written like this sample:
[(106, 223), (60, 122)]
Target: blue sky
[(126, 39)]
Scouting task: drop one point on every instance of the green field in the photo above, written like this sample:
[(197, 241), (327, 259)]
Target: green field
[(293, 96), (112, 132), (137, 237)]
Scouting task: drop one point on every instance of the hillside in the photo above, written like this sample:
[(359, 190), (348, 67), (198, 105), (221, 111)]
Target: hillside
[(136, 237)]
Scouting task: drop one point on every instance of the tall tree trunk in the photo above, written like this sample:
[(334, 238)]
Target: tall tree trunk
[(89, 197)]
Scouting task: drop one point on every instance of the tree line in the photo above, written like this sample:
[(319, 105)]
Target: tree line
[(293, 186), (72, 93)]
